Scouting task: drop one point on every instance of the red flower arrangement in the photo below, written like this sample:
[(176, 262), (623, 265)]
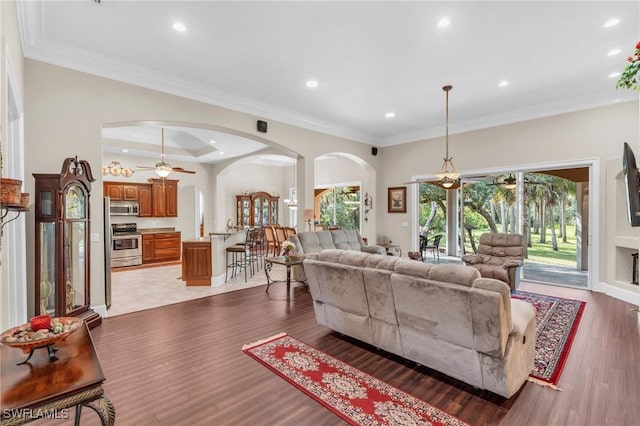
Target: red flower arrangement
[(630, 77)]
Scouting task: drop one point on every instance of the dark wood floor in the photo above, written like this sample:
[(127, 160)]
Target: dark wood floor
[(182, 365)]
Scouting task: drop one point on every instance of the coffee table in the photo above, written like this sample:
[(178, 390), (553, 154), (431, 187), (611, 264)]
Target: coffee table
[(42, 388), (287, 261)]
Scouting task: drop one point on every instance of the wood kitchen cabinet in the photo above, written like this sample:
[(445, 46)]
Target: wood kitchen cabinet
[(147, 248), (196, 262), (119, 191), (145, 200), (62, 242), (161, 247), (165, 197)]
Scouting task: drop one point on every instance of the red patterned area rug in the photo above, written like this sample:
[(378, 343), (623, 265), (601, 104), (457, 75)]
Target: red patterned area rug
[(350, 393), (557, 322)]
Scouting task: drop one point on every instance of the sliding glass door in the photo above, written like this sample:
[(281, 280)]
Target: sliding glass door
[(543, 207)]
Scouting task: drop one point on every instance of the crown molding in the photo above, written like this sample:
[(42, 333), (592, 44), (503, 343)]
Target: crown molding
[(36, 47), (515, 116)]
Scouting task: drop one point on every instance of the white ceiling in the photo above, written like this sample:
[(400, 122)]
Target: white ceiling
[(369, 58)]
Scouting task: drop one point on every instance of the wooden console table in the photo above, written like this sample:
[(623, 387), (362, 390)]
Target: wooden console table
[(41, 388)]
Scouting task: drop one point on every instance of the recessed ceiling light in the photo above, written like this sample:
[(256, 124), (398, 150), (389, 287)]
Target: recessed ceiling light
[(444, 22), (125, 150), (220, 152), (212, 142), (614, 74), (390, 115), (503, 83), (611, 23), (179, 26), (312, 83), (613, 52)]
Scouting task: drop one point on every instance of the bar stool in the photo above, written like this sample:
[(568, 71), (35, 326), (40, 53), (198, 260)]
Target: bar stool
[(240, 257)]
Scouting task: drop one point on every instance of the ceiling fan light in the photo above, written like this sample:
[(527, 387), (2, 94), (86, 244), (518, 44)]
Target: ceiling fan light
[(447, 183), (448, 171), (163, 169), (448, 174)]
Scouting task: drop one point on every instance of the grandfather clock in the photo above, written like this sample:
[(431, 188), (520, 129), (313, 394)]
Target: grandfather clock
[(62, 242)]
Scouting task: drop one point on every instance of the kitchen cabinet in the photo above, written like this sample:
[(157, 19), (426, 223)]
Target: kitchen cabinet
[(160, 247), (119, 191), (158, 198), (256, 209), (165, 197), (62, 242), (147, 248), (145, 200), (196, 262)]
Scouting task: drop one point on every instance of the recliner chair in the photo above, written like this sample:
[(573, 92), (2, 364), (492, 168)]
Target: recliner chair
[(500, 256)]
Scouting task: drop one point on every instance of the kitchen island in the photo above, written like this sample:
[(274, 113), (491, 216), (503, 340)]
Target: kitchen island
[(204, 259)]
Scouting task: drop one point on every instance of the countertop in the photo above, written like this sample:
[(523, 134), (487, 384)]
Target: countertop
[(230, 231), (156, 230), (204, 240)]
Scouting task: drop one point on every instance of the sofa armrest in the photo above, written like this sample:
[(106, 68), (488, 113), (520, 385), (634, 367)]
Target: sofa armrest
[(471, 259), (374, 249), (522, 314), (511, 264)]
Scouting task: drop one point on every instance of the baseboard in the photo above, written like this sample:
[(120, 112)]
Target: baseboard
[(628, 296), (219, 280), (100, 310)]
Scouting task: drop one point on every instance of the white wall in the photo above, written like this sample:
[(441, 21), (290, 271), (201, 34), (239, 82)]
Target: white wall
[(11, 53), (65, 111), (591, 134), (242, 178)]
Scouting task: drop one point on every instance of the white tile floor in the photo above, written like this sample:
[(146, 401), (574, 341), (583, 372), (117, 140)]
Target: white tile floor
[(141, 289)]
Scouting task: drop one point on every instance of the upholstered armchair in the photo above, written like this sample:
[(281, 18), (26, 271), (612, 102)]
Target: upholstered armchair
[(499, 256)]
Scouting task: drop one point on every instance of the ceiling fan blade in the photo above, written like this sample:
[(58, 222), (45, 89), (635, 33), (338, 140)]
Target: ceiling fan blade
[(143, 168), (181, 170)]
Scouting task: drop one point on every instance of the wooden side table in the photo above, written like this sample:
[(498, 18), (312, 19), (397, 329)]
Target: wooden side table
[(41, 388)]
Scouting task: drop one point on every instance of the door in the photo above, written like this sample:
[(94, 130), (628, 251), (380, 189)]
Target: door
[(548, 208)]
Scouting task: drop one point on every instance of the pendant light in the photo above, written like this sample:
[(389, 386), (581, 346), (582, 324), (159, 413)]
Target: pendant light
[(448, 173)]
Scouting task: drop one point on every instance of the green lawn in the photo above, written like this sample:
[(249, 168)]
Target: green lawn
[(543, 253)]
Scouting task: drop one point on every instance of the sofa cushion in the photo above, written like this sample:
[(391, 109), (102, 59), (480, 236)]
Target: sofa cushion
[(346, 239), (314, 242), (450, 273)]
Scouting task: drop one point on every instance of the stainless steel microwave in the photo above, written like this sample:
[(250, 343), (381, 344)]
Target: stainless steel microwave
[(124, 208)]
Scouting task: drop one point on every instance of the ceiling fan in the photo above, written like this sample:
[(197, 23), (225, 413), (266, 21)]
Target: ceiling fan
[(437, 182), (510, 181), (163, 169)]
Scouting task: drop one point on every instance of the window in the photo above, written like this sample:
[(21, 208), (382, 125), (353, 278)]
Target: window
[(339, 206)]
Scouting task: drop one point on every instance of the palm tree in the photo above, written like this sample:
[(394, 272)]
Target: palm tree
[(567, 192)]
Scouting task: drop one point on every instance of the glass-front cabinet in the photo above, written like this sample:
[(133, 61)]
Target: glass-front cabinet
[(63, 242), (257, 209)]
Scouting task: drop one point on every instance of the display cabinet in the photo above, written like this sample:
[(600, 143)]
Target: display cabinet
[(257, 209), (62, 242)]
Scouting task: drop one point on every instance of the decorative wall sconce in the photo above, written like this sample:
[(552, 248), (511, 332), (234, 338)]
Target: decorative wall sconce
[(115, 169), (368, 205)]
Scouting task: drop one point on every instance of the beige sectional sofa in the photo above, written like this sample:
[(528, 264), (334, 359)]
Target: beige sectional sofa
[(344, 239), (444, 316), (314, 242)]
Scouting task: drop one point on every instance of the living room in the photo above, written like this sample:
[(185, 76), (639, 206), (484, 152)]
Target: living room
[(65, 110)]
